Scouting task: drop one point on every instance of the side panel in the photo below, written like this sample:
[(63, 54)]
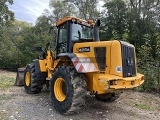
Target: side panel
[(42, 66), (83, 64), (98, 52), (116, 59), (95, 84)]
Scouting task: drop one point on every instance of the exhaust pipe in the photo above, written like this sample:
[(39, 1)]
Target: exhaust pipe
[(96, 30)]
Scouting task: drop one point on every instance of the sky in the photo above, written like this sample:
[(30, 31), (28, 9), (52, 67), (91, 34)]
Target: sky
[(29, 10)]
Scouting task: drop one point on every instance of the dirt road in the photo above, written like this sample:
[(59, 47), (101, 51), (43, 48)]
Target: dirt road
[(15, 104)]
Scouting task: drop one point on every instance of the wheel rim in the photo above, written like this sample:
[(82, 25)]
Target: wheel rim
[(28, 79), (60, 89)]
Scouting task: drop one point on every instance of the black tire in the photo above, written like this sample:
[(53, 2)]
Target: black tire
[(109, 97), (68, 96), (31, 85)]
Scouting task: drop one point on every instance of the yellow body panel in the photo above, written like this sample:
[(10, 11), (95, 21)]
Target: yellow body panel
[(129, 82), (98, 82), (46, 65), (49, 64), (91, 54), (116, 59), (42, 66)]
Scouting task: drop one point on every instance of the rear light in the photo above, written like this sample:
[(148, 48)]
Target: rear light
[(142, 78), (132, 82), (113, 82)]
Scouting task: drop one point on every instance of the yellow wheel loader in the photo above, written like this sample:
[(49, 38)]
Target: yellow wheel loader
[(82, 63)]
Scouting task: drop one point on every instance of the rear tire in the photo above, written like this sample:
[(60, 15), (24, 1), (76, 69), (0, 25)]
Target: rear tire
[(109, 97), (31, 85), (68, 90)]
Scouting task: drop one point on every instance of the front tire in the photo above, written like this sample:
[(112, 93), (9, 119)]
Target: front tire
[(68, 90), (31, 85)]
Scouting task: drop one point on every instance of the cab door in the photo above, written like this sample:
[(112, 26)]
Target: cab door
[(62, 39)]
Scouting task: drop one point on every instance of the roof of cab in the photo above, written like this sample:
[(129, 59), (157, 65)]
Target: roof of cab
[(63, 20)]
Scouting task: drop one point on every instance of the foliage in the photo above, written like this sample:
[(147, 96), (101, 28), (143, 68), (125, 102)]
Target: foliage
[(6, 16), (86, 9), (148, 65), (18, 43), (114, 20), (60, 8)]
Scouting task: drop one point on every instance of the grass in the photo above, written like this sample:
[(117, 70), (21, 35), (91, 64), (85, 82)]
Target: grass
[(6, 82), (143, 106)]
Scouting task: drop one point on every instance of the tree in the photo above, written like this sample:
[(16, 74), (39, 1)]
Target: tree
[(114, 20), (5, 14), (42, 24), (61, 9), (11, 39), (87, 9), (142, 19)]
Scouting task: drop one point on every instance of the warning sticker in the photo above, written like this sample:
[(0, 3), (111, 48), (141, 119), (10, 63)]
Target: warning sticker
[(119, 69)]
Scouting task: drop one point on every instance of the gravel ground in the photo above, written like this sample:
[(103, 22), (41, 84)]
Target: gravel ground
[(15, 104)]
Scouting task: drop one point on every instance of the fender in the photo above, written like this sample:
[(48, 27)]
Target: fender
[(81, 62), (41, 73)]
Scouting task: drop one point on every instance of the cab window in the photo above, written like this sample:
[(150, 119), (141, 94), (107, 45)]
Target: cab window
[(62, 39)]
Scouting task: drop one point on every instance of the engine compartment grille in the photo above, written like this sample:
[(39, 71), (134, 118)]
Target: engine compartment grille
[(100, 55), (128, 60)]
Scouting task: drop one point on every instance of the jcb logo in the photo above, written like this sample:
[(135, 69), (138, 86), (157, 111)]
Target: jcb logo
[(84, 49)]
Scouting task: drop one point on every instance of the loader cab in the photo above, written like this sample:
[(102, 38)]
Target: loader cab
[(72, 30)]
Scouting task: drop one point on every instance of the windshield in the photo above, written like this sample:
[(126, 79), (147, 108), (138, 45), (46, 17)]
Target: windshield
[(81, 32)]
